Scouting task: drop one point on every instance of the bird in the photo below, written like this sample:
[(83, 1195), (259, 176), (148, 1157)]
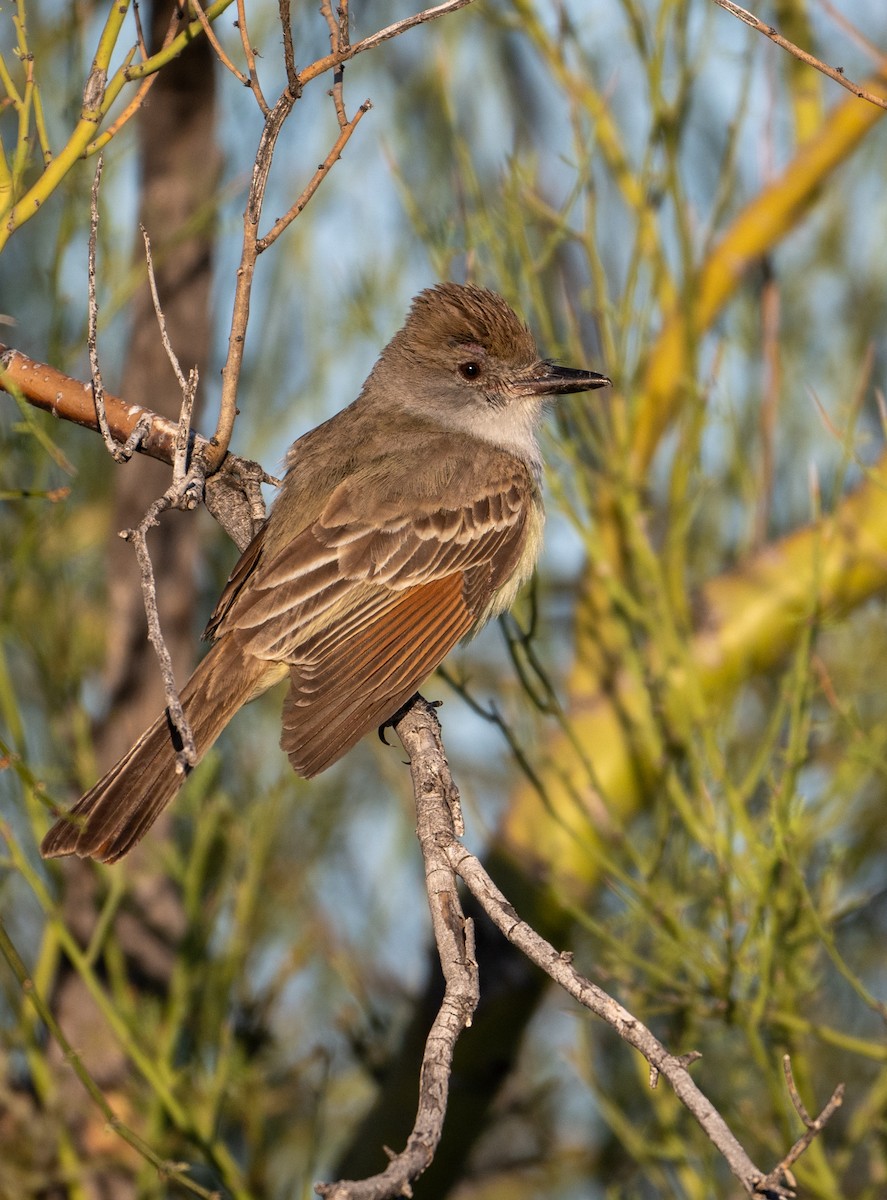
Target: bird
[(404, 523)]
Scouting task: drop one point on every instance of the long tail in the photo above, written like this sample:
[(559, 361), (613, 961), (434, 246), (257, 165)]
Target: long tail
[(121, 808)]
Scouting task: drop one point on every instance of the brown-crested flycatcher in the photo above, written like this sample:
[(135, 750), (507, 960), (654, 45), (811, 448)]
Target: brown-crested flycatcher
[(404, 523)]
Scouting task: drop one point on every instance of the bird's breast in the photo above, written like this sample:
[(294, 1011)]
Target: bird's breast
[(505, 594)]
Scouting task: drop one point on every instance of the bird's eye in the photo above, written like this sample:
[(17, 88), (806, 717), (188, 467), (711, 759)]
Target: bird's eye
[(469, 370)]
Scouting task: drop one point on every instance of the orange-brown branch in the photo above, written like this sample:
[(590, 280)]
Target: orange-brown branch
[(54, 392)]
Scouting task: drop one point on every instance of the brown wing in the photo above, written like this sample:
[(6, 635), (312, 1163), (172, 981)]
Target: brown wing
[(333, 701), (364, 606), (246, 565)]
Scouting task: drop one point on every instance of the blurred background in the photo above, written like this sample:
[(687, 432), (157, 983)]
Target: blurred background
[(672, 755)]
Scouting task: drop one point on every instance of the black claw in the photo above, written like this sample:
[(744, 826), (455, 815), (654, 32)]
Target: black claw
[(395, 717)]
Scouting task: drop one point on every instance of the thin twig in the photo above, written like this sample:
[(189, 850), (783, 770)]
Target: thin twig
[(560, 968), (252, 245), (419, 729), (141, 41), (319, 175), (120, 453), (836, 73), (188, 386), (185, 492), (274, 122), (383, 35), (187, 756), (813, 1126), (217, 45), (293, 78), (793, 1092), (233, 494), (220, 440), (338, 42), (250, 55), (433, 789)]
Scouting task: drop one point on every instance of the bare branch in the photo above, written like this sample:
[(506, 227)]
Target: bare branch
[(338, 27), (436, 800), (813, 1126), (319, 175), (383, 35), (250, 56), (560, 968), (120, 453), (233, 495), (188, 386), (218, 446), (217, 45), (294, 81), (419, 729), (185, 492), (252, 244), (187, 756), (793, 1091), (836, 73)]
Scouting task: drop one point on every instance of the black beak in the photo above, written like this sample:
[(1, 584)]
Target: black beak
[(550, 379)]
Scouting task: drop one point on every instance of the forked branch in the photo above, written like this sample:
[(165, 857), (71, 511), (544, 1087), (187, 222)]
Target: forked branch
[(436, 810), (445, 857), (835, 73)]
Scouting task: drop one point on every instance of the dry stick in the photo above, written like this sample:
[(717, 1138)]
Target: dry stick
[(250, 56), (188, 386), (220, 440), (124, 453), (249, 254), (233, 494), (217, 45), (253, 245), (141, 41), (344, 25), (419, 729), (814, 1126), (319, 175), (339, 41), (187, 756), (836, 73), (184, 492), (560, 968), (383, 35), (436, 800), (293, 78)]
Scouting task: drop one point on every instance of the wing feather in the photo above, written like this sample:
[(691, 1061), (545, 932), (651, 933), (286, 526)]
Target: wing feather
[(378, 671), (363, 605)]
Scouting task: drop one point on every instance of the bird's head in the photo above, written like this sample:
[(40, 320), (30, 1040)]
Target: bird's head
[(465, 360)]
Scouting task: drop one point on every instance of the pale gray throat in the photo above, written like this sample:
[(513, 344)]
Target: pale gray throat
[(513, 427)]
